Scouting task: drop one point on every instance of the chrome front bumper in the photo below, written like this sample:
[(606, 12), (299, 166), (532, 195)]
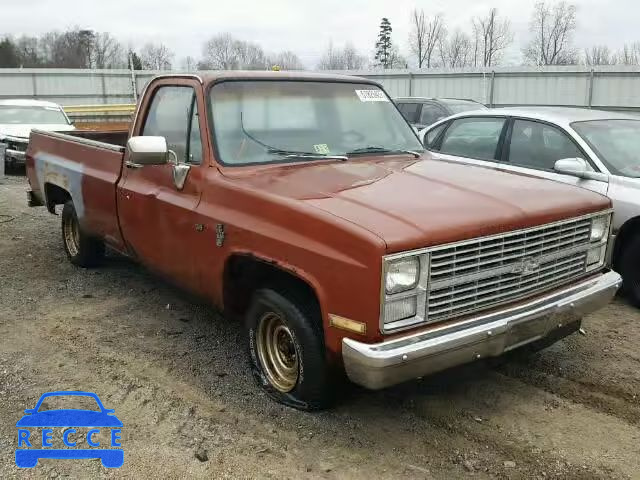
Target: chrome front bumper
[(394, 361)]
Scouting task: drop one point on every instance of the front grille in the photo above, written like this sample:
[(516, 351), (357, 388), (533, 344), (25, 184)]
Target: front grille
[(476, 275)]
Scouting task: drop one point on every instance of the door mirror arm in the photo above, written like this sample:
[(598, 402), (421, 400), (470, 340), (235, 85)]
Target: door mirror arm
[(180, 172)]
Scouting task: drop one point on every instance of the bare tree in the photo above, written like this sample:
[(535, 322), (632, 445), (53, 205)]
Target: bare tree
[(352, 59), (396, 59), (331, 59), (156, 57), (455, 51), (188, 63), (107, 52), (599, 55), (250, 56), (73, 48), (224, 52), (630, 54), (552, 27), (219, 53), (69, 49), (28, 49), (346, 58), (286, 60), (491, 36), (426, 34)]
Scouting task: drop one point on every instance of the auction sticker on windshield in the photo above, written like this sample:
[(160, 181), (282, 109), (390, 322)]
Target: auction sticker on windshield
[(371, 96), (322, 148)]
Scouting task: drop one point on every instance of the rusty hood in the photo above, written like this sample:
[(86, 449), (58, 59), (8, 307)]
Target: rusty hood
[(418, 203)]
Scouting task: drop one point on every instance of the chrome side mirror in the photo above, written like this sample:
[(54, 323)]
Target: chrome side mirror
[(572, 166), (143, 151)]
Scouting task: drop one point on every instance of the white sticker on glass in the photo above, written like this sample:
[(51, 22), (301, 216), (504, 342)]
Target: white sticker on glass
[(371, 96), (322, 148)]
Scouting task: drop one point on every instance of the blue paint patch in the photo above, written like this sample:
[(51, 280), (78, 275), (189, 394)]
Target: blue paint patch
[(62, 172)]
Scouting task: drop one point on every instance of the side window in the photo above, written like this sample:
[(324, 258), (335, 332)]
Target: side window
[(195, 143), (431, 114), (409, 111), (168, 117), (539, 146), (432, 135), (473, 138)]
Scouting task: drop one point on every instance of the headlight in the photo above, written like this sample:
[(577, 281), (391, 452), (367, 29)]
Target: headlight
[(404, 295), (599, 228), (402, 275)]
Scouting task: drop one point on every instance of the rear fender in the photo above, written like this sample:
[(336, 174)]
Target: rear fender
[(64, 174)]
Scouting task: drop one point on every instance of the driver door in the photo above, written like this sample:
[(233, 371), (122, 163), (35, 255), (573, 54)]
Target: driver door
[(157, 214)]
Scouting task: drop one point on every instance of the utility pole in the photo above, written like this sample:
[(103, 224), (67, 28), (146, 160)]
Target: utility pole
[(134, 86)]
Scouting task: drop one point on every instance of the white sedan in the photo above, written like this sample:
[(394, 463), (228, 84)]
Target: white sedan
[(19, 116), (592, 149)]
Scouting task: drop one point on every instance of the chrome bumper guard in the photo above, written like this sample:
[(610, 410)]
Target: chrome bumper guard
[(394, 361)]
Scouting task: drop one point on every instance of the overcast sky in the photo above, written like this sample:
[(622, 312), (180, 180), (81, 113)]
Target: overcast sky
[(302, 26)]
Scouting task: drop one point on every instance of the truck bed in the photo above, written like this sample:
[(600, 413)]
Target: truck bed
[(58, 163), (112, 137)]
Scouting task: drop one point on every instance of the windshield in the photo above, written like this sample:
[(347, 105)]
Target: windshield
[(616, 142), (11, 114), (459, 106), (273, 121)]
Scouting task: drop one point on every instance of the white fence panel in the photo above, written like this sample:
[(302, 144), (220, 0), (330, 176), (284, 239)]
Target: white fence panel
[(605, 87)]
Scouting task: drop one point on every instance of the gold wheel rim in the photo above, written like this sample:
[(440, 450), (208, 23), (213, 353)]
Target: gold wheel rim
[(72, 236), (277, 352)]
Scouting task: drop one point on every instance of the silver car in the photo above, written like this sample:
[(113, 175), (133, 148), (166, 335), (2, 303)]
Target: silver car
[(592, 149)]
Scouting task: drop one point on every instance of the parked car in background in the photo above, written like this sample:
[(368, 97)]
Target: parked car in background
[(19, 116), (593, 149), (302, 203), (422, 112)]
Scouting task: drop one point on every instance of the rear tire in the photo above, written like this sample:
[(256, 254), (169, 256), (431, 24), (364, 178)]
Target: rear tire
[(81, 249), (287, 352), (629, 268)]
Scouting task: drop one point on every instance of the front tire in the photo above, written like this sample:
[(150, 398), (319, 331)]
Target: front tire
[(286, 350), (81, 249), (629, 268)]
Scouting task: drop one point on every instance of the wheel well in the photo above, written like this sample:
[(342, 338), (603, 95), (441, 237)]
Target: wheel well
[(626, 233), (55, 195), (244, 274)]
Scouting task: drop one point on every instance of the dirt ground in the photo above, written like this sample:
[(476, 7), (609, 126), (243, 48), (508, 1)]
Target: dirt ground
[(177, 377)]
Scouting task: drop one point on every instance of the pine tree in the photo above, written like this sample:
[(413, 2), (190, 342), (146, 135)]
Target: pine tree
[(383, 45), (9, 57), (135, 61)]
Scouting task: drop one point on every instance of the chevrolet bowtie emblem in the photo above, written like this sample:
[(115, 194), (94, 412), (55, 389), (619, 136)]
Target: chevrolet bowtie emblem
[(526, 266)]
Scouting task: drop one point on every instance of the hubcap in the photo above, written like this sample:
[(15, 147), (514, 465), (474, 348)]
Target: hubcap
[(277, 352), (72, 236)]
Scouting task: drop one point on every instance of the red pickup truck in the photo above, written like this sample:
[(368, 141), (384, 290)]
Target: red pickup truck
[(305, 205)]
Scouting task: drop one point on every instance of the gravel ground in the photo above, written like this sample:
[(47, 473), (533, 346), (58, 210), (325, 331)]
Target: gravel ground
[(176, 376)]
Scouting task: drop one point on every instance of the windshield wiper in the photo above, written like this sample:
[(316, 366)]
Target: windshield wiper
[(383, 150), (289, 153), (311, 155)]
